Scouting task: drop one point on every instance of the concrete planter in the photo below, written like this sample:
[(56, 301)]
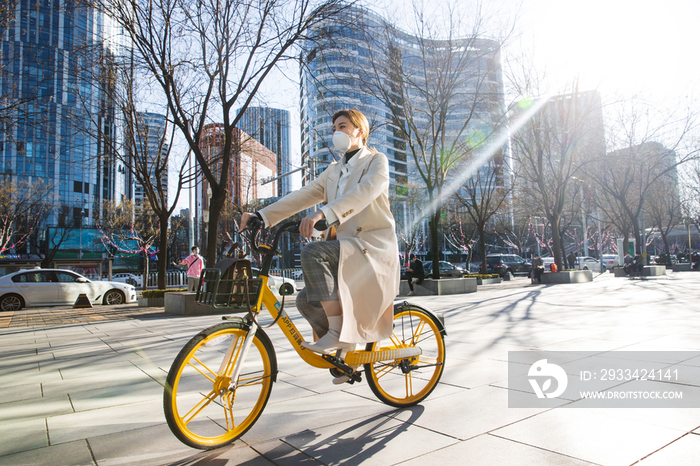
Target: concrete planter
[(151, 302), (681, 267), (647, 271), (444, 286), (569, 276), (488, 281)]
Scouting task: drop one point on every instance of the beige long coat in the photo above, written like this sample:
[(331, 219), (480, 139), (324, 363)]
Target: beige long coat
[(369, 270)]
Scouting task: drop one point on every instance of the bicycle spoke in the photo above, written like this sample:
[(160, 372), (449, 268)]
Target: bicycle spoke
[(204, 366), (206, 400)]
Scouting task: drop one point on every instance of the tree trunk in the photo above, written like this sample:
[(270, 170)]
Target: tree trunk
[(144, 278), (556, 241), (163, 252), (434, 243), (481, 229), (215, 207)]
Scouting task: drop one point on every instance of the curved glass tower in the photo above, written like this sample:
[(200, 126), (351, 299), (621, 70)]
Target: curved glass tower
[(365, 64), (53, 100)]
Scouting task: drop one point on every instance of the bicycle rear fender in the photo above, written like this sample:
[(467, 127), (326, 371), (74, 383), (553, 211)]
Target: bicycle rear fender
[(439, 319)]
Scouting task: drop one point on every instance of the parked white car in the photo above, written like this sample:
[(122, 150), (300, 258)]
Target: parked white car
[(126, 277), (589, 263), (50, 287), (284, 285), (611, 260)]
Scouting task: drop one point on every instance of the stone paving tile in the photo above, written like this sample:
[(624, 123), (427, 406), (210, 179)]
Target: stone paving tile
[(234, 455), (86, 424), (119, 393), (471, 413), (368, 441), (487, 450), (21, 436), (153, 445), (20, 392), (94, 381), (277, 451), (589, 436), (683, 452), (286, 417), (66, 454), (27, 377), (17, 411)]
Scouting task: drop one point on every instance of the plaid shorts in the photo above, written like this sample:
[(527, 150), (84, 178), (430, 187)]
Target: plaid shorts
[(319, 264)]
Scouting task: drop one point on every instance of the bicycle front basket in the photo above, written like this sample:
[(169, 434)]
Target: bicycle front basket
[(228, 293)]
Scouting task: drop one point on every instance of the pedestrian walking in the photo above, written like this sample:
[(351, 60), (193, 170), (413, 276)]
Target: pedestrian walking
[(572, 260), (195, 264)]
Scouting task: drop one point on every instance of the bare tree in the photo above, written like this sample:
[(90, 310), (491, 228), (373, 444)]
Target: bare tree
[(443, 93), (23, 206), (485, 194), (209, 57), (647, 144), (551, 150), (663, 207), (129, 230)]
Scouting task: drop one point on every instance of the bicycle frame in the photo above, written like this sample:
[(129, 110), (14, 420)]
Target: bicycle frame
[(268, 299)]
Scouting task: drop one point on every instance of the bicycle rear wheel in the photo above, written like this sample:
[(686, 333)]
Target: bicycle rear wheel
[(406, 382), (198, 405)]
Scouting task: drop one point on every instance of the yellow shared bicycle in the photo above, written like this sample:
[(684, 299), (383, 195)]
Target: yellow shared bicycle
[(220, 382)]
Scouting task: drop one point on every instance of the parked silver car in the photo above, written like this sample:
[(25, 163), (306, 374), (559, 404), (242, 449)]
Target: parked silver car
[(50, 287)]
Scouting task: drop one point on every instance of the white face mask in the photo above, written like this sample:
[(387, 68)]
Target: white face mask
[(341, 141)]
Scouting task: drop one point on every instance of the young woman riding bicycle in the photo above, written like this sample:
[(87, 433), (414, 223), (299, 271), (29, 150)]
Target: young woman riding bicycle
[(351, 281)]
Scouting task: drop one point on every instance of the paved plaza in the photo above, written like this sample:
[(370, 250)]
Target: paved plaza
[(85, 386)]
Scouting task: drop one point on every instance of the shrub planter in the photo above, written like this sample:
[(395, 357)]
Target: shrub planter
[(569, 276), (151, 302), (444, 286), (488, 281), (155, 298)]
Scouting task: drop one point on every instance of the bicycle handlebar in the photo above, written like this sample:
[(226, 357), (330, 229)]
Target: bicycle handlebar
[(255, 224)]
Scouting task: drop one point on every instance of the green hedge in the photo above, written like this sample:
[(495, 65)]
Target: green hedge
[(159, 293)]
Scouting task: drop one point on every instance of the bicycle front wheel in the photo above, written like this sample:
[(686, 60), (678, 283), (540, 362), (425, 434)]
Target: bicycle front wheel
[(406, 382), (200, 409)]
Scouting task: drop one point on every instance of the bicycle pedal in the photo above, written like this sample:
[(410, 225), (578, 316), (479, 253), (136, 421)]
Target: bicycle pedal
[(339, 363)]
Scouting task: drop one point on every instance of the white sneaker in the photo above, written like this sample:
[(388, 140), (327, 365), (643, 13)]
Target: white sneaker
[(414, 281), (411, 293), (341, 380), (328, 344)]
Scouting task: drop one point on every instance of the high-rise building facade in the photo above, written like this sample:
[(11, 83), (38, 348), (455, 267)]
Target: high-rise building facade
[(150, 134), (250, 163), (271, 128), (54, 107), (339, 58)]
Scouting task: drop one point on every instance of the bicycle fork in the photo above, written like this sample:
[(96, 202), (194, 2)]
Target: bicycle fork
[(242, 354)]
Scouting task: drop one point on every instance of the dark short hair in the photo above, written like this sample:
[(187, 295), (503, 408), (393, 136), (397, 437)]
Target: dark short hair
[(195, 247), (412, 256)]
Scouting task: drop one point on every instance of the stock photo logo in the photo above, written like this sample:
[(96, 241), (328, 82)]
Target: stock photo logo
[(545, 372)]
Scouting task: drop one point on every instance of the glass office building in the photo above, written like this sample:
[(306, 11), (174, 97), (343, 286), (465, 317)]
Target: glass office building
[(53, 100), (342, 64), (271, 128)]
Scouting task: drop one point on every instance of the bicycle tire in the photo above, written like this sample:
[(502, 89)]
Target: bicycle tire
[(198, 407), (394, 382)]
